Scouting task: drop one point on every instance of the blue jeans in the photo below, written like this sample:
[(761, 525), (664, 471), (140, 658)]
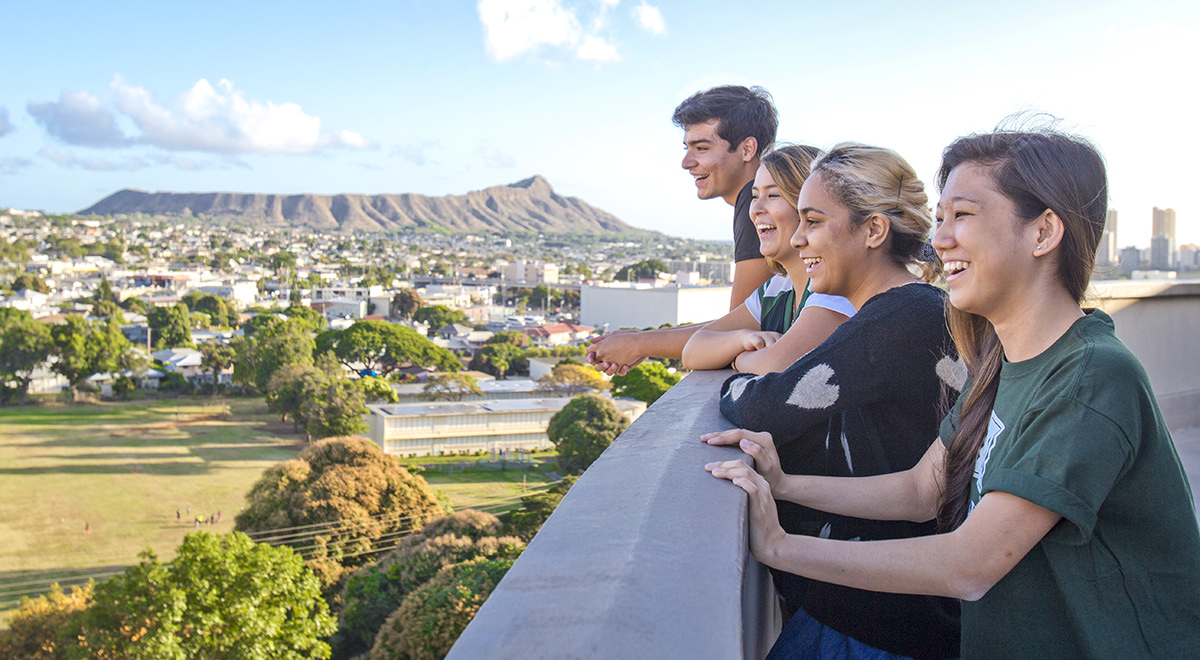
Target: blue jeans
[(805, 638)]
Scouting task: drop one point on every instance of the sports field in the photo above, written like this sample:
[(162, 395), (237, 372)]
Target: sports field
[(85, 487)]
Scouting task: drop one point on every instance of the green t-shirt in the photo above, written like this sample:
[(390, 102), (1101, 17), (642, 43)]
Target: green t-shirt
[(1077, 431)]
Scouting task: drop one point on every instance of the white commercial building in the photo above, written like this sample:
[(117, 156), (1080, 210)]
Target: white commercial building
[(621, 305)]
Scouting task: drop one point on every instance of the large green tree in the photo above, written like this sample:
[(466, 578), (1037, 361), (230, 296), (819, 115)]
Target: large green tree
[(220, 311), (40, 628), (83, 348), (340, 501), (215, 357), (500, 359), (647, 269), (450, 387), (272, 346), (439, 316), (571, 379), (24, 346), (375, 591), (30, 282), (583, 429), (405, 303), (223, 597), (431, 618), (335, 409), (645, 382), (171, 327), (382, 348)]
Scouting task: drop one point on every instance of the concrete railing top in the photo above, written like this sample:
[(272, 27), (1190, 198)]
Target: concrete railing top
[(645, 557)]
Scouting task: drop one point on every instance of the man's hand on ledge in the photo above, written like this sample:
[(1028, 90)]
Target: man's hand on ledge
[(615, 353)]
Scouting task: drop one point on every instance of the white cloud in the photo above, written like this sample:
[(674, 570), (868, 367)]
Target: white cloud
[(650, 18), (548, 28), (204, 118), (415, 152), (14, 165), (221, 119), (518, 27), (493, 157), (5, 125), (69, 159), (595, 49), (79, 118)]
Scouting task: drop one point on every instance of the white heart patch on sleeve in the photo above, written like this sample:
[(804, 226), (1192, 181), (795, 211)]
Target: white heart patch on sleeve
[(952, 372), (738, 386), (814, 391)]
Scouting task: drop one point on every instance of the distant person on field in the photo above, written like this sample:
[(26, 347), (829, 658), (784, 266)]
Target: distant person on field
[(726, 130)]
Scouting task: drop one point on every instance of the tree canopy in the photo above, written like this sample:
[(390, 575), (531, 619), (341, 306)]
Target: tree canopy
[(24, 346), (647, 269), (272, 346), (645, 382), (350, 497), (405, 303), (375, 591), (83, 348), (571, 379), (223, 596), (432, 617), (382, 348), (439, 316), (583, 429), (171, 326), (450, 387)]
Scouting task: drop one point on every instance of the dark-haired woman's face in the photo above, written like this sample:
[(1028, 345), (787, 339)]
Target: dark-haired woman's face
[(986, 249)]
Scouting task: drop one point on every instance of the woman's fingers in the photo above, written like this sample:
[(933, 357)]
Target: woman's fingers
[(734, 436)]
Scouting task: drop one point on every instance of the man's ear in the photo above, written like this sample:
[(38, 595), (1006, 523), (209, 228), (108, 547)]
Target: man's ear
[(1050, 232), (876, 230), (749, 149)]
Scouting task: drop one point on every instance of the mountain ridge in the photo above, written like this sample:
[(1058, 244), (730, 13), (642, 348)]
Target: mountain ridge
[(527, 205)]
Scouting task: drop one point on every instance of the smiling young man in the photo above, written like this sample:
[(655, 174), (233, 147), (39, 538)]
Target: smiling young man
[(726, 130)]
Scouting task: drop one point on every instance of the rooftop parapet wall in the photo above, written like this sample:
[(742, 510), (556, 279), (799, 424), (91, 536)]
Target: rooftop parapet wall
[(646, 557), (1160, 322)]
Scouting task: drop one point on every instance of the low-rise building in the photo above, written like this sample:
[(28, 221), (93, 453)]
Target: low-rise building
[(436, 428)]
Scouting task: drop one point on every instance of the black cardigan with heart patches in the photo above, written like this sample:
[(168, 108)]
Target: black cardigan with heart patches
[(867, 401)]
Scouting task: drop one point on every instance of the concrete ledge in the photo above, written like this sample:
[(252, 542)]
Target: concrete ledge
[(646, 557)]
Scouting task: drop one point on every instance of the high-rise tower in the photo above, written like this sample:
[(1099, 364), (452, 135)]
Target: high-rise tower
[(1106, 253), (1162, 239)]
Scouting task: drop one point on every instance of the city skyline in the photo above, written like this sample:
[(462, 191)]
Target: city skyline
[(447, 98)]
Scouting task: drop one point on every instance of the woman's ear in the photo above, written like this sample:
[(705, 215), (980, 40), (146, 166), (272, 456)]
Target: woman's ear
[(1050, 232), (876, 230)]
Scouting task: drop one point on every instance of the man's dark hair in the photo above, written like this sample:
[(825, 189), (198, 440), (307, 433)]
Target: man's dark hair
[(741, 112)]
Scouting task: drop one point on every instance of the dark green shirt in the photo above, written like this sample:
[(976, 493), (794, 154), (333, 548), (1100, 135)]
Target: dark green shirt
[(1077, 430)]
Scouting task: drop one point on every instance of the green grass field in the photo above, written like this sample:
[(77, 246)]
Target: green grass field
[(85, 487)]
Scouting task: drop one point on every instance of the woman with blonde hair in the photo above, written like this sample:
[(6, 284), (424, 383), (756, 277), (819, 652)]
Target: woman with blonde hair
[(1069, 529), (782, 319), (867, 401)]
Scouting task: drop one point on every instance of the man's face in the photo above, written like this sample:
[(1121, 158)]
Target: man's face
[(718, 171)]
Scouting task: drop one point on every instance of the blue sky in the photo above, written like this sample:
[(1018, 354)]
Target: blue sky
[(445, 97)]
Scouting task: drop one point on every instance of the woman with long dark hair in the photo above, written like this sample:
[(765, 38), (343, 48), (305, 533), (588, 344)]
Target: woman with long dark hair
[(1068, 526)]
